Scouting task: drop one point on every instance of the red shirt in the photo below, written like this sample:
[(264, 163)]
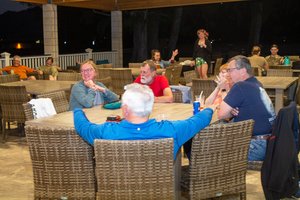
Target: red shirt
[(157, 86)]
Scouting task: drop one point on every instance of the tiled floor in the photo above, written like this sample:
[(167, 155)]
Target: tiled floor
[(16, 173)]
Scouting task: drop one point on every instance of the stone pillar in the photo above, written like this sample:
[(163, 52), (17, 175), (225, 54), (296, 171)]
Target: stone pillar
[(6, 56), (50, 31), (117, 36)]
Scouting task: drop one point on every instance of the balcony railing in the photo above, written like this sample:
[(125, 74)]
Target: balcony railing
[(65, 60)]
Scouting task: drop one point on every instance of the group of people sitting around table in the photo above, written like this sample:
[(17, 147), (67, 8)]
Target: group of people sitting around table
[(23, 71), (238, 95)]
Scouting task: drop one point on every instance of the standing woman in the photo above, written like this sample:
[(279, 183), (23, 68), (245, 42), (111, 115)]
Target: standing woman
[(202, 53)]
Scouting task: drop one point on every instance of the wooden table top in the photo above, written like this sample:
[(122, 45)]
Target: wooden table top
[(37, 87), (271, 82), (170, 111)]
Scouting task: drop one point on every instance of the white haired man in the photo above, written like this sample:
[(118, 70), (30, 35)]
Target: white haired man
[(137, 105), (19, 69)]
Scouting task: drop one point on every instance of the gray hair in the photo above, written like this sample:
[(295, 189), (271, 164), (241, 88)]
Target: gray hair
[(16, 57), (242, 62), (139, 99), (151, 65)]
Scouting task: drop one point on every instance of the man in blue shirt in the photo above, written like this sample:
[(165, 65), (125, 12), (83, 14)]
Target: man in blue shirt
[(248, 100), (137, 105)]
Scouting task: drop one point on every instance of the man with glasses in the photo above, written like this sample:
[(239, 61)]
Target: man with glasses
[(248, 100), (88, 92), (159, 84), (274, 58)]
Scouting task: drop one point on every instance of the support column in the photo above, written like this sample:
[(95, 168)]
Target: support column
[(50, 31), (117, 36), (6, 61)]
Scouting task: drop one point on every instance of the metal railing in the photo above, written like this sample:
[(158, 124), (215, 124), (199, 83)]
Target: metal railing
[(65, 60)]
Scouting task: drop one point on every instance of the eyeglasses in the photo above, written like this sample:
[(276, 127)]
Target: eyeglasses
[(87, 70), (231, 69)]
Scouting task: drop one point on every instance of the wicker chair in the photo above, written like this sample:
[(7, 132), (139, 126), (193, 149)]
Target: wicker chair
[(120, 77), (62, 163), (106, 81), (219, 161), (280, 72), (9, 78), (173, 74), (134, 65), (11, 102), (102, 73), (189, 75), (177, 96), (218, 65), (68, 76), (279, 67), (28, 111), (135, 169), (59, 100), (108, 65), (207, 86)]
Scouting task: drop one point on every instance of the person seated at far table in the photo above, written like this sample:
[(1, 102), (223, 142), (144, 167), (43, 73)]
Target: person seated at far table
[(50, 69), (224, 83), (274, 58), (137, 105), (162, 64), (250, 100), (19, 69), (158, 83), (258, 61), (88, 92)]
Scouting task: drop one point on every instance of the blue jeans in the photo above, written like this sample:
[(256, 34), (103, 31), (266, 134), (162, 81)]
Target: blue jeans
[(257, 150)]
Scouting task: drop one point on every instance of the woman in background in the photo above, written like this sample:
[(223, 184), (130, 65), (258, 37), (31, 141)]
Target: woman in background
[(202, 53)]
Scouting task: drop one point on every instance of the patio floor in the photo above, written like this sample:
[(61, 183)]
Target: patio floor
[(16, 172)]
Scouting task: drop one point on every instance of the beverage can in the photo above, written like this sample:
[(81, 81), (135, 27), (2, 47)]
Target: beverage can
[(196, 106), (12, 71)]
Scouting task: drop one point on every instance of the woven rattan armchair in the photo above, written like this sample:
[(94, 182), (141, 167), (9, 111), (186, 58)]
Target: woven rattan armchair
[(207, 86), (173, 74), (135, 65), (218, 162), (120, 77), (177, 96), (106, 81), (135, 169), (59, 100), (11, 100), (68, 76), (107, 65), (9, 78), (28, 111), (189, 76), (280, 72), (63, 164), (103, 73), (217, 66)]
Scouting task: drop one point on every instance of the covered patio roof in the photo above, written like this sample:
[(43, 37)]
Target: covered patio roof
[(112, 5)]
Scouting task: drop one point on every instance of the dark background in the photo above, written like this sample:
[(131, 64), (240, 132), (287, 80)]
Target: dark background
[(233, 27)]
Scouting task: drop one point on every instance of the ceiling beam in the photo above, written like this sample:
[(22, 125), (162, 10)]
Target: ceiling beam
[(110, 5)]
